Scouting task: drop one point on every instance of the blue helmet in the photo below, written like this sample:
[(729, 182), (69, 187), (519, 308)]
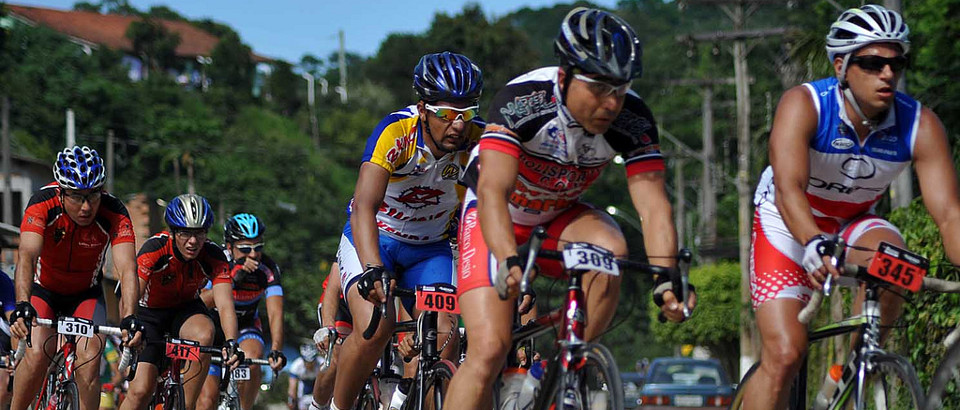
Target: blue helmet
[(447, 76), (599, 42), (243, 226), (79, 168), (189, 211)]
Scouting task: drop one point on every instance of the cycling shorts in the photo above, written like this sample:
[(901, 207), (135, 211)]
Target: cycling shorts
[(88, 304), (775, 256), (478, 266), (414, 264), (249, 327), (160, 322)]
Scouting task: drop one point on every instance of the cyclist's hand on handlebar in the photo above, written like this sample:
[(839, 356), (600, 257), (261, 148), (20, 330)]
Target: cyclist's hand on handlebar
[(132, 330), (671, 307), (527, 302), (234, 356), (370, 285), (407, 347), (22, 317), (818, 260), (277, 360)]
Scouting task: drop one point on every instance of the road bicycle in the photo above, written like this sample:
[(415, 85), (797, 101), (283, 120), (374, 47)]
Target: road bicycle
[(59, 391), (871, 377), (582, 374), (229, 391), (429, 384)]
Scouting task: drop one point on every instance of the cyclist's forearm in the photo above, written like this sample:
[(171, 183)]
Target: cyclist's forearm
[(660, 238), (495, 222), (223, 297), (24, 278), (275, 312), (797, 214), (366, 235), (331, 302)]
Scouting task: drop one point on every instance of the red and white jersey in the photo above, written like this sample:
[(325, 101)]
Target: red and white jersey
[(847, 176), (558, 158)]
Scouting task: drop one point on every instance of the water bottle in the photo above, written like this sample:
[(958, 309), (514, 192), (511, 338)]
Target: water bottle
[(829, 387), (530, 387), (513, 379), (400, 394)]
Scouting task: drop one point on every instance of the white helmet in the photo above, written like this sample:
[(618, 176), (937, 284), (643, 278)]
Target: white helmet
[(869, 24)]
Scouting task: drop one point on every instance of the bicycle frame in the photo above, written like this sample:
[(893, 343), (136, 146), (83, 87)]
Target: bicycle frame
[(62, 374)]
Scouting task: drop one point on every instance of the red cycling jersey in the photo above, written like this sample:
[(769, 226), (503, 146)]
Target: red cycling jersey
[(172, 281), (72, 255)]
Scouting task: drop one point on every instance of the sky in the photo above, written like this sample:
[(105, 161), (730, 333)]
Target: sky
[(288, 29)]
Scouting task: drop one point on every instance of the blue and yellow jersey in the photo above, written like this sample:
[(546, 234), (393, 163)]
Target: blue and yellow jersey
[(422, 195)]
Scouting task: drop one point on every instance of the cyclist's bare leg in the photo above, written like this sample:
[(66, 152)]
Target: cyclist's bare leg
[(209, 393), (602, 291), (88, 375), (142, 388), (362, 354), (488, 321), (323, 386), (198, 327), (784, 345), (32, 369), (250, 388), (890, 303)]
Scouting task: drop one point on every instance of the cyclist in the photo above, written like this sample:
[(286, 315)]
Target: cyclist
[(549, 135), (333, 311), (172, 268), (835, 147), (65, 232), (256, 277), (402, 207), (9, 304), (304, 373)]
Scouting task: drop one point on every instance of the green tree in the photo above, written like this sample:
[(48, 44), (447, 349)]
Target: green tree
[(154, 44), (715, 324)]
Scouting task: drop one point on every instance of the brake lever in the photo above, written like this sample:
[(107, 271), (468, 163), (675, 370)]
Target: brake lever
[(684, 256), (536, 242), (385, 280), (835, 260)]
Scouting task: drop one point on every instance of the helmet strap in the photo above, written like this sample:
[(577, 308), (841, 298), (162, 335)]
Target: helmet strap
[(846, 94)]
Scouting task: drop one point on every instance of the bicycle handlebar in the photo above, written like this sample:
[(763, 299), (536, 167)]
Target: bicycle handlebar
[(385, 278), (326, 333), (860, 273), (97, 329), (533, 249)]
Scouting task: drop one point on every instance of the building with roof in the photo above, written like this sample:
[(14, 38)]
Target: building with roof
[(91, 30)]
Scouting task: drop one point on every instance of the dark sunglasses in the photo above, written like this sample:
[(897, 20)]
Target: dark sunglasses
[(245, 249), (877, 63)]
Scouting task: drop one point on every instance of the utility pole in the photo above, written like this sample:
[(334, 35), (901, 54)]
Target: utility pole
[(901, 190), (679, 211), (71, 129), (311, 102), (5, 161), (738, 11), (110, 176), (342, 60)]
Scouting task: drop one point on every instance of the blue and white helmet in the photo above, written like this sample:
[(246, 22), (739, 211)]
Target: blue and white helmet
[(599, 42), (308, 352), (189, 211), (242, 226), (447, 76), (858, 27), (79, 168)]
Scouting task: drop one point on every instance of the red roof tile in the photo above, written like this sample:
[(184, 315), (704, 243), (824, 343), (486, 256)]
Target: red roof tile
[(110, 29)]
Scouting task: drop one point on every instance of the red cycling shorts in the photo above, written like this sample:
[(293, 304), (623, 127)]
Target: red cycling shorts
[(478, 266)]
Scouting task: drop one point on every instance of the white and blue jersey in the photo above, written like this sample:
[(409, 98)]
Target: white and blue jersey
[(848, 176)]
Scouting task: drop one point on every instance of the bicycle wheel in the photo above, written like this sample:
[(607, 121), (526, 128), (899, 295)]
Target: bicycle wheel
[(438, 378), (69, 397), (945, 380), (367, 399), (594, 385), (737, 402), (174, 399), (893, 384)]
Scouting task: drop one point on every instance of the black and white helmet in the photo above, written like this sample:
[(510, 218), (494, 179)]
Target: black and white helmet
[(858, 27), (599, 42)]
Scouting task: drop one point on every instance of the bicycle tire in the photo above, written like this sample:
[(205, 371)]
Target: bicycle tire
[(897, 378), (595, 385), (737, 401), (174, 399), (949, 370), (437, 381), (367, 400), (69, 397)]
